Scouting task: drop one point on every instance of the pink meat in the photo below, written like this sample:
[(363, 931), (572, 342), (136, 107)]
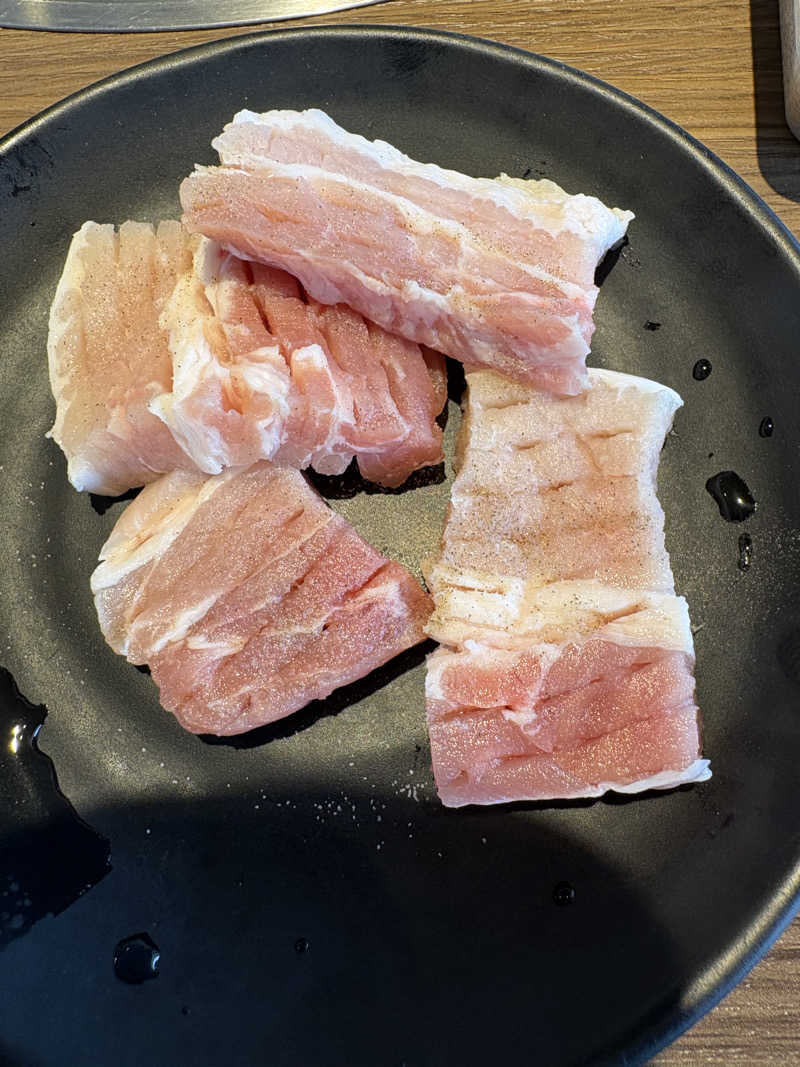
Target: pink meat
[(318, 410), (601, 714), (248, 597), (414, 385), (496, 273)]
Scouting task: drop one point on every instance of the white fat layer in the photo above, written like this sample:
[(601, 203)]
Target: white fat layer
[(209, 258), (607, 231), (489, 390), (698, 771), (182, 623), (620, 381), (219, 649), (465, 601), (83, 475), (523, 718)]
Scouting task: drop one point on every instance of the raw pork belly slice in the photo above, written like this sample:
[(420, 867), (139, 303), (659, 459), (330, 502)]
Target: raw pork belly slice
[(568, 666), (108, 356), (248, 597), (261, 372), (494, 272), (166, 353)]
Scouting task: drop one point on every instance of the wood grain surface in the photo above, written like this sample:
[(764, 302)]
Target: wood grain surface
[(714, 68)]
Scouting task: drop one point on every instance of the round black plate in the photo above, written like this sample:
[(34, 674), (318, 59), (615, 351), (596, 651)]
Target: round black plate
[(312, 901)]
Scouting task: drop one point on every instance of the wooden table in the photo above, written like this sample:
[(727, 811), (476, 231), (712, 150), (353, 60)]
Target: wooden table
[(714, 68)]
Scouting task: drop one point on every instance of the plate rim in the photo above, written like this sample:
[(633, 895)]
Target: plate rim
[(719, 976)]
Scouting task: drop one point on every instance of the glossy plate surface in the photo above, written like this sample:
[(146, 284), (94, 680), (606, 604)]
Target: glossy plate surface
[(311, 900)]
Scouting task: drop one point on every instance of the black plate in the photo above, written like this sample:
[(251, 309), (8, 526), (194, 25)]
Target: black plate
[(312, 901)]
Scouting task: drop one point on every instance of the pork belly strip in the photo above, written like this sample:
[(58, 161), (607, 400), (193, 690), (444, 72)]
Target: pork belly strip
[(248, 597), (166, 352), (568, 661), (108, 356), (493, 272)]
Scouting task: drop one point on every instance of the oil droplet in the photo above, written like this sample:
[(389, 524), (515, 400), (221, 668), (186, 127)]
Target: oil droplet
[(701, 370), (136, 959), (564, 894), (766, 426), (745, 552), (733, 498), (301, 945)]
